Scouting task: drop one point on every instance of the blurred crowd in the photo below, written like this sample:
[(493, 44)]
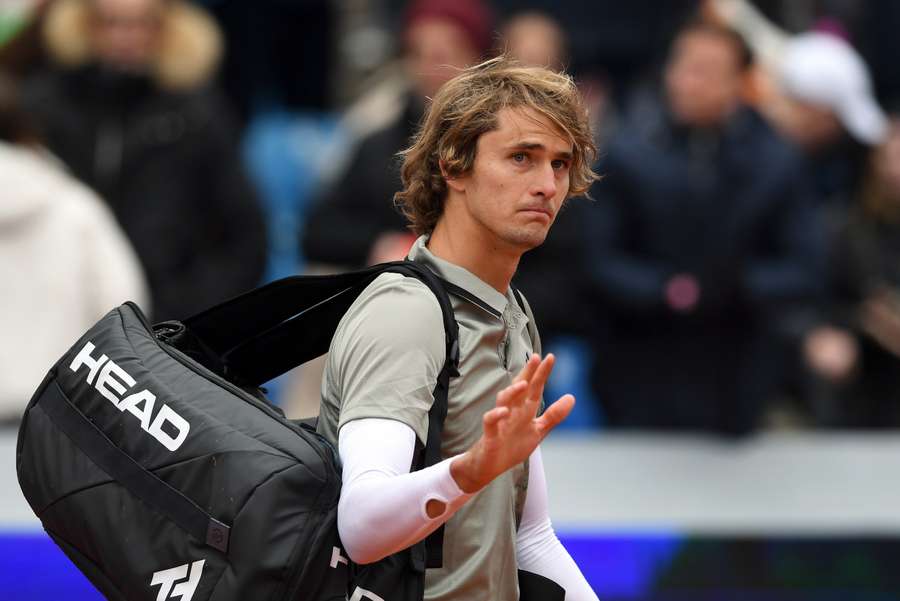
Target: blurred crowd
[(737, 267)]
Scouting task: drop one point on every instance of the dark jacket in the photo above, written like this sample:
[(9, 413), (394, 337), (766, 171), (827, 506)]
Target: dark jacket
[(732, 209), (165, 158), (864, 287), (359, 206)]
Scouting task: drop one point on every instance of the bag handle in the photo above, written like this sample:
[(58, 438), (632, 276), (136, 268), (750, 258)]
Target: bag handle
[(254, 337)]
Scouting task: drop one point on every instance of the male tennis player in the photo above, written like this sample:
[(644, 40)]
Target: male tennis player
[(500, 150)]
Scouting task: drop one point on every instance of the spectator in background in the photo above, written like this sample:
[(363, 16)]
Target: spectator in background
[(356, 223), (64, 262), (855, 354), (824, 104), (816, 89), (536, 39), (703, 239), (128, 109)]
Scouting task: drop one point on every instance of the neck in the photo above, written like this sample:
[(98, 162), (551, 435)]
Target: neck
[(476, 251)]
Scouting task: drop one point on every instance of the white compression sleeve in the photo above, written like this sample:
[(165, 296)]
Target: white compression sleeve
[(382, 505), (538, 549)]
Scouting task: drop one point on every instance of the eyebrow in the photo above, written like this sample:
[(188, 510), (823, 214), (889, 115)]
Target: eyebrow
[(538, 146)]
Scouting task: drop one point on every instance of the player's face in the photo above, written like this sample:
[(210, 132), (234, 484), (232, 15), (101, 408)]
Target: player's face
[(519, 181)]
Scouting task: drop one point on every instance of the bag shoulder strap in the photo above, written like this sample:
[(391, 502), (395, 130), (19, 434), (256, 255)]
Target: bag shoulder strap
[(266, 332)]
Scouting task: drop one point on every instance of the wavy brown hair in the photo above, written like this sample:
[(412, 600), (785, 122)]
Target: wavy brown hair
[(466, 107)]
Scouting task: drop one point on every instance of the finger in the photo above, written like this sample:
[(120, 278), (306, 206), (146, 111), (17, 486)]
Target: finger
[(512, 394), (530, 367), (541, 375), (556, 413), (492, 419)]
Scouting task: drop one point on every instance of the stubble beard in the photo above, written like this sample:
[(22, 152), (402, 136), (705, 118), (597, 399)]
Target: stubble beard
[(524, 237)]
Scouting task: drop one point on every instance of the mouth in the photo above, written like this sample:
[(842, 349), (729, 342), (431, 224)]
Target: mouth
[(537, 212)]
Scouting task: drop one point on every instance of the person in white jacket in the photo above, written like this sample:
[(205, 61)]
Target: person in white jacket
[(64, 261)]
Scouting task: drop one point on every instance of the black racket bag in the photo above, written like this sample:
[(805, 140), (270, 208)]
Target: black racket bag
[(153, 459)]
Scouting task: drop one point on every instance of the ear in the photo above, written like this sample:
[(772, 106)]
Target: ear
[(455, 183)]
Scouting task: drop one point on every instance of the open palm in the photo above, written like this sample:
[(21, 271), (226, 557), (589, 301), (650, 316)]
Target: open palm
[(512, 429)]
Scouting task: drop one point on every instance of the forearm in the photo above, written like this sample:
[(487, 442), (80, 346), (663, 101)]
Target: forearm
[(764, 37), (384, 507), (538, 549)]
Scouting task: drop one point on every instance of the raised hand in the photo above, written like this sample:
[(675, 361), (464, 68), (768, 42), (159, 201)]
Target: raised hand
[(512, 429)]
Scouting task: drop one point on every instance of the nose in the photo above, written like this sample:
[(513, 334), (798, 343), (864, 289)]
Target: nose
[(545, 183)]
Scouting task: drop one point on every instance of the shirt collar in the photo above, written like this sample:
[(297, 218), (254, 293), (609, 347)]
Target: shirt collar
[(461, 277)]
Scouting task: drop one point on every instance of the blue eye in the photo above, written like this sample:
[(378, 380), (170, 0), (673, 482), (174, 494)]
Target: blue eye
[(519, 157)]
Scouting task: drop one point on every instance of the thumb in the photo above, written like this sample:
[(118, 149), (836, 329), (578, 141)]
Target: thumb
[(556, 413)]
